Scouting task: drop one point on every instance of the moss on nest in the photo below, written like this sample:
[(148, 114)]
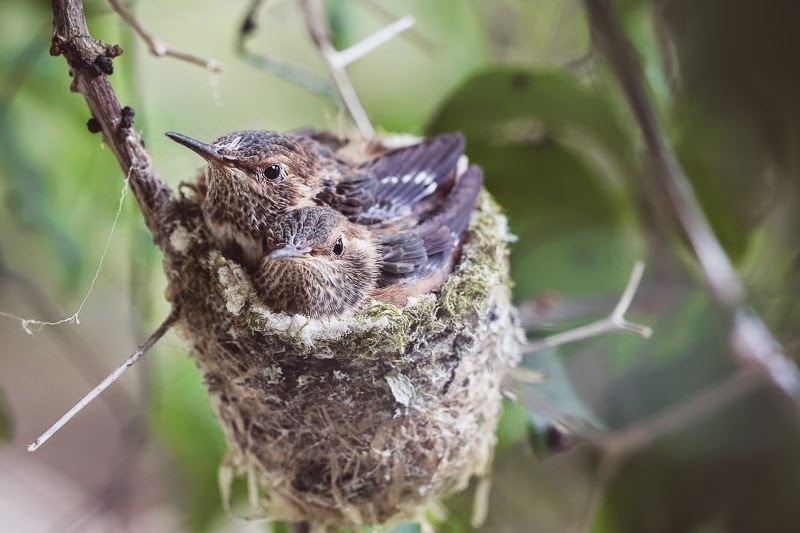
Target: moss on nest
[(360, 421)]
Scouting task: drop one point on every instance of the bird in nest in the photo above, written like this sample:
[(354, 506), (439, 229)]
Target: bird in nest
[(252, 177), (323, 235)]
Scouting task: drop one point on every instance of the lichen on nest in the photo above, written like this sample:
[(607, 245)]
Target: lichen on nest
[(364, 420)]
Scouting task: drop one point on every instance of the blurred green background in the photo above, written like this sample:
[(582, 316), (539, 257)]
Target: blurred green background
[(544, 117)]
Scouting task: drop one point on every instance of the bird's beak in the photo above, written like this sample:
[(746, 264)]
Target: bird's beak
[(206, 151), (288, 252)]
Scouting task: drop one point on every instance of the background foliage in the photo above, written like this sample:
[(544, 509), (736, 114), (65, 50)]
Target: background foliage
[(545, 119)]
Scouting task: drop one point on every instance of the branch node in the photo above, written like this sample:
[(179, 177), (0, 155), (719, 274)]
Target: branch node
[(105, 64), (126, 118)]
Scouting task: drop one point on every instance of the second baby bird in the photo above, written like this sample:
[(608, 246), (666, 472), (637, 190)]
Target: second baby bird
[(320, 264)]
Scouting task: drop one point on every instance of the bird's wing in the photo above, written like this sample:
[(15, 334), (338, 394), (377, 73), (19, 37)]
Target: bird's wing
[(401, 254), (350, 195), (428, 248), (404, 177)]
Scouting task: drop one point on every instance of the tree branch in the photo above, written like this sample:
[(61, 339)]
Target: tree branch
[(90, 63), (753, 343), (616, 447)]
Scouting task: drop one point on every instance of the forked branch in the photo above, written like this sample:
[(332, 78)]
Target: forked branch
[(338, 60), (614, 322)]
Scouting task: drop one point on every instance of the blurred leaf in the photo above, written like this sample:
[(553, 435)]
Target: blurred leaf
[(517, 102), (735, 192), (182, 418), (512, 426), (569, 218), (26, 197), (6, 421), (570, 224), (554, 401), (406, 527), (337, 18)]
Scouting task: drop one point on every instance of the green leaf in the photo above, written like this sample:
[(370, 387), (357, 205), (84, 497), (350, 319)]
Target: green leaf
[(572, 221), (6, 421), (515, 102), (406, 527), (338, 23)]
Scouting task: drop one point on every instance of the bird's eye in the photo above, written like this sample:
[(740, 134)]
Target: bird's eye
[(274, 172), (338, 248)]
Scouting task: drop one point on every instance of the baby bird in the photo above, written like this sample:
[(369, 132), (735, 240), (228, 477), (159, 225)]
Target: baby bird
[(254, 176), (320, 264)]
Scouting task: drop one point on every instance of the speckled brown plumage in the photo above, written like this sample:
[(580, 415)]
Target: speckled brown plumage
[(254, 176), (319, 264), (318, 282)]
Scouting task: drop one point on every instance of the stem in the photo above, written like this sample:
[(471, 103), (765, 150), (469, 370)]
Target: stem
[(158, 47), (315, 24)]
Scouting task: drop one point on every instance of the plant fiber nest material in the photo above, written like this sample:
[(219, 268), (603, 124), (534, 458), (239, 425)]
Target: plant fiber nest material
[(365, 420)]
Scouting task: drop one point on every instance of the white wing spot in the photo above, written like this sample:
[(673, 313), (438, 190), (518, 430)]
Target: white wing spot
[(423, 177), (406, 178)]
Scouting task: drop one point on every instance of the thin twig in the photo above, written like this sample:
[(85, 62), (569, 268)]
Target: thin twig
[(337, 61), (143, 348), (368, 44), (753, 343), (80, 353), (414, 35), (158, 47), (698, 407), (614, 322)]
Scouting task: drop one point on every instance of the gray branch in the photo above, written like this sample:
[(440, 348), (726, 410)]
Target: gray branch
[(752, 342)]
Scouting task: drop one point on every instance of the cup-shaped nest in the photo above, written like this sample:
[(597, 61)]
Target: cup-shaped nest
[(364, 420)]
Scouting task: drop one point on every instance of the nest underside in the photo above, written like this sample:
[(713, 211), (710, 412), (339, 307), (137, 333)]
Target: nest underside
[(360, 421)]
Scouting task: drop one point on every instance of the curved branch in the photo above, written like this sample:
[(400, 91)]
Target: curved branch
[(90, 63), (753, 344)]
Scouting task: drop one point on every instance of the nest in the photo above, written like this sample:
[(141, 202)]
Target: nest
[(360, 421)]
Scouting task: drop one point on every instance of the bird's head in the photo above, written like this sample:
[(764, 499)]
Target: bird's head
[(317, 263), (280, 168)]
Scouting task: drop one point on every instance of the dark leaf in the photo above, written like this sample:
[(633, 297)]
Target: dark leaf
[(6, 420), (519, 104), (555, 409)]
